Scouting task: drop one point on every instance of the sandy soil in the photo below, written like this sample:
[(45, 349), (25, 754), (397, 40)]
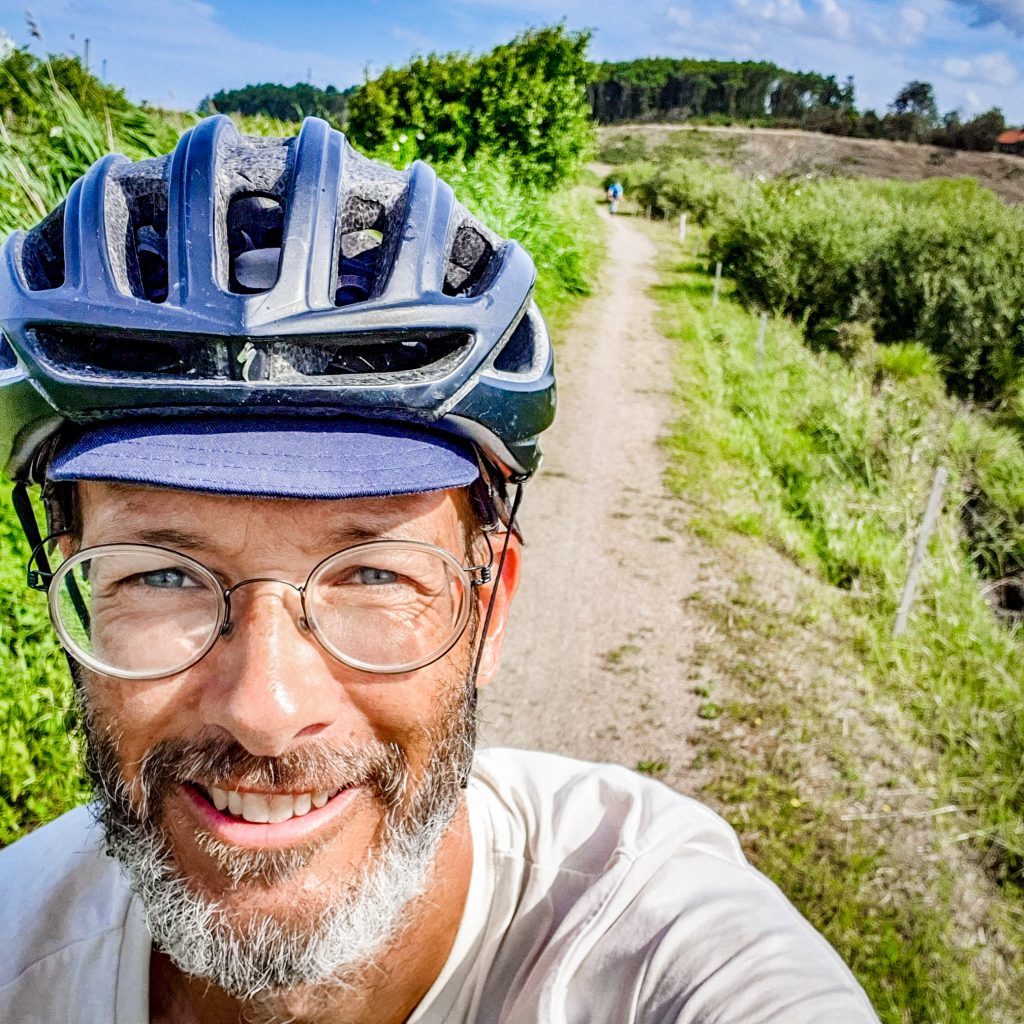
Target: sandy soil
[(779, 151), (596, 665)]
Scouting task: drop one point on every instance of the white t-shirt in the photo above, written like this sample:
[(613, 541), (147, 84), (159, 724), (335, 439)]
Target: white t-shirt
[(597, 897)]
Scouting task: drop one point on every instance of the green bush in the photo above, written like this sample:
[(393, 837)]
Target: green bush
[(935, 263), (682, 185), (525, 100)]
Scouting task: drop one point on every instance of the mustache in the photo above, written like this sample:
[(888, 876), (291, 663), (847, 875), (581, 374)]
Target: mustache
[(224, 762)]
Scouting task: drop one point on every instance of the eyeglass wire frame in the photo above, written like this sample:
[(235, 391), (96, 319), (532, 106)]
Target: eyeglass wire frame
[(49, 582)]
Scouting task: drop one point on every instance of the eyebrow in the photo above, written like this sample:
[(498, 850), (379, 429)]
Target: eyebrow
[(167, 537)]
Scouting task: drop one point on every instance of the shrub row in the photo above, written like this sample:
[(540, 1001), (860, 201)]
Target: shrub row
[(934, 262)]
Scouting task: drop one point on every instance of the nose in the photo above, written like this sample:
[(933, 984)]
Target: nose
[(267, 682)]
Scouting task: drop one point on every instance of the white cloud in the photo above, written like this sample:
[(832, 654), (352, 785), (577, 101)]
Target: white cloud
[(417, 40), (681, 17), (912, 24), (781, 12), (991, 68), (6, 43), (836, 19)]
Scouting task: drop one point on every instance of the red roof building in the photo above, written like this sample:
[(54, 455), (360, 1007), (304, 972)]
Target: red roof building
[(1011, 141)]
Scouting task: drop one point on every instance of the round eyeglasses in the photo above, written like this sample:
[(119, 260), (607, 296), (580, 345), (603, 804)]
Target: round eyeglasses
[(136, 611)]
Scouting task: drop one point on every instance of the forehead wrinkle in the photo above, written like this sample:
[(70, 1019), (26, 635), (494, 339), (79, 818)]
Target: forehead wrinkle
[(225, 525)]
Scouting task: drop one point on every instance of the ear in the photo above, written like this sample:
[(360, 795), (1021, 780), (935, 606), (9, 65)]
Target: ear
[(503, 590)]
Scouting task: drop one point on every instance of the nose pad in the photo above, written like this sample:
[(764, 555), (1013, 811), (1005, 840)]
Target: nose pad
[(303, 624)]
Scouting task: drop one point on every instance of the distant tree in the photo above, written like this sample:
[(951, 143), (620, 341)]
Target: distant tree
[(918, 100), (284, 102), (979, 133)]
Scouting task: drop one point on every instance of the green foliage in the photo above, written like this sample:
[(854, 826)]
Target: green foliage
[(40, 774), (835, 459), (681, 184), (21, 74), (282, 102), (524, 100), (933, 262), (58, 137)]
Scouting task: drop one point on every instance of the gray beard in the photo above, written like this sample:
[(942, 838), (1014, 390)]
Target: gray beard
[(332, 945)]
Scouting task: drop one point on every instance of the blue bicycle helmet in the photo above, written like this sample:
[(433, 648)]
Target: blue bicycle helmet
[(254, 277)]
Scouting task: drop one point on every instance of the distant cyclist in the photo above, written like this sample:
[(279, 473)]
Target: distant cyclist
[(614, 195)]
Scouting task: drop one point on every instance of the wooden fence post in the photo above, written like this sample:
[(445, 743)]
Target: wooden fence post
[(931, 513), (761, 331), (682, 228), (718, 284)]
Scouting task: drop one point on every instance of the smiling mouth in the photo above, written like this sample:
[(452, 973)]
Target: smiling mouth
[(265, 808)]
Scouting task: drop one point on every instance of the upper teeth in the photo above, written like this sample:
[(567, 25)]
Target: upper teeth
[(268, 807)]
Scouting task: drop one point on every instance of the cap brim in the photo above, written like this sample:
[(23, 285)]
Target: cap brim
[(280, 458)]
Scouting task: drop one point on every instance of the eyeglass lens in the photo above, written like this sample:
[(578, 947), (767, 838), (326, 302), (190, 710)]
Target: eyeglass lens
[(149, 612)]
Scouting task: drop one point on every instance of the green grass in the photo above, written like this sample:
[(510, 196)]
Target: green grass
[(828, 459)]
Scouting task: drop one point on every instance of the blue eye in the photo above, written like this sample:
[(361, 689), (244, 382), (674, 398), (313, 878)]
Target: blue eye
[(165, 579), (375, 577)]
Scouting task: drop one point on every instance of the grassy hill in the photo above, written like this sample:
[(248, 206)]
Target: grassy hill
[(782, 152)]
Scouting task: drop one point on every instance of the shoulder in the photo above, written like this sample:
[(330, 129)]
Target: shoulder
[(586, 815), (637, 903), (58, 889)]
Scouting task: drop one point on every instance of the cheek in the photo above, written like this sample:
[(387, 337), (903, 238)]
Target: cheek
[(138, 714)]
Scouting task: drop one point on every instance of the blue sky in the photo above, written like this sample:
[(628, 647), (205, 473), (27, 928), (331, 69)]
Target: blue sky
[(174, 52)]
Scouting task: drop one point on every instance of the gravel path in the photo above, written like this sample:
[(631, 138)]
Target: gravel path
[(597, 661)]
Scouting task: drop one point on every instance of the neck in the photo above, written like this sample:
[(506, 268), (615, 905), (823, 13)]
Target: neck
[(388, 991)]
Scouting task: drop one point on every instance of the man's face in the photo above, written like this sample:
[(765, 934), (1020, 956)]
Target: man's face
[(269, 718)]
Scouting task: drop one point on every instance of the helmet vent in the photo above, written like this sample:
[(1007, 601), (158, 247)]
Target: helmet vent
[(89, 353), (363, 223), (517, 355), (471, 254), (255, 231), (146, 246), (8, 359), (42, 253)]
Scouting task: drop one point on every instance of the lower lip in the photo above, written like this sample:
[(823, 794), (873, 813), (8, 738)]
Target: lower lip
[(238, 832)]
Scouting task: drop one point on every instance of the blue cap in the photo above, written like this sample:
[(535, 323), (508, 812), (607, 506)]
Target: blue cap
[(269, 457)]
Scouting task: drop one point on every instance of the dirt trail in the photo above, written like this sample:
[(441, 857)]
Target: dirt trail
[(596, 663)]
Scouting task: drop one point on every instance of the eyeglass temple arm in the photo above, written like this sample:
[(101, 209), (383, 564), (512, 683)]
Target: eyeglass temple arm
[(39, 579), (510, 527)]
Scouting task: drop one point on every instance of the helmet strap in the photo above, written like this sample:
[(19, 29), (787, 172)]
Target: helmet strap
[(27, 517), (510, 529)]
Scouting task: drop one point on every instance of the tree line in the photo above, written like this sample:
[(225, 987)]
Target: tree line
[(763, 93)]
